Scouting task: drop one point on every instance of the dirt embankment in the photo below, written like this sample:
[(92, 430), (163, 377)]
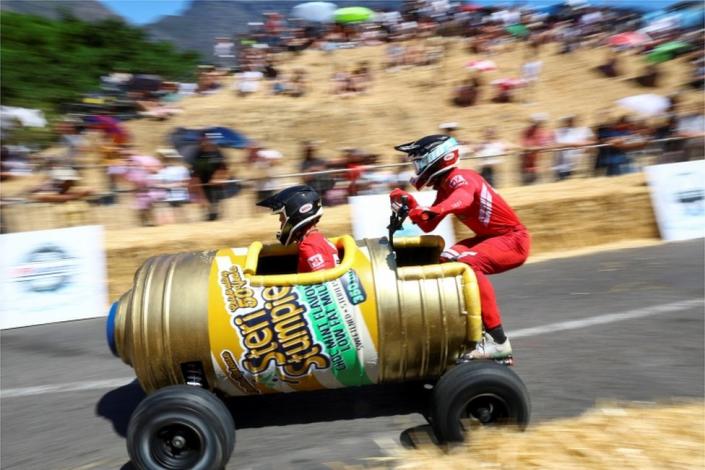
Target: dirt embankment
[(560, 216)]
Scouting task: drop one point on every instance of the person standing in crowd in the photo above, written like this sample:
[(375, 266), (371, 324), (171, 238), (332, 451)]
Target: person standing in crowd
[(569, 134), (490, 152), (650, 78), (467, 93), (530, 73), (339, 80), (61, 185), (534, 139), (297, 85), (173, 179), (619, 139), (209, 170), (72, 139), (451, 130), (670, 148), (312, 163), (600, 131), (691, 126), (611, 68), (112, 129), (266, 165), (142, 171)]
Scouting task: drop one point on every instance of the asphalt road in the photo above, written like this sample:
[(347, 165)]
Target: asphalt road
[(65, 400)]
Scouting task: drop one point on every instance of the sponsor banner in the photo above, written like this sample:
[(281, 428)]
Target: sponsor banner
[(678, 198), (287, 338), (51, 276), (370, 218)]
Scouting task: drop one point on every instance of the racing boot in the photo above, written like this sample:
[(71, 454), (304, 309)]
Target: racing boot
[(488, 348)]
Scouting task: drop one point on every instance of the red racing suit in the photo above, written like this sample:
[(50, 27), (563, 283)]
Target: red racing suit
[(316, 253), (500, 243)]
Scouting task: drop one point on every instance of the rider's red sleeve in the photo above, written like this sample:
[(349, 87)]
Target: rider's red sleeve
[(457, 201)]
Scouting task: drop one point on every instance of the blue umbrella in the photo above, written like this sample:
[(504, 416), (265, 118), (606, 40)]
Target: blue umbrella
[(185, 141), (315, 12), (226, 137)]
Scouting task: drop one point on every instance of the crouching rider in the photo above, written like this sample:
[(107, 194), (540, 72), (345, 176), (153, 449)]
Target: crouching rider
[(501, 241), (300, 210)]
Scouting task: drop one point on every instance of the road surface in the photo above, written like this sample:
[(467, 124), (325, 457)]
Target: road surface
[(624, 325)]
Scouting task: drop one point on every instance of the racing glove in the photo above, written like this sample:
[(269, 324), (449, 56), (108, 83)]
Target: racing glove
[(425, 217), (395, 199)]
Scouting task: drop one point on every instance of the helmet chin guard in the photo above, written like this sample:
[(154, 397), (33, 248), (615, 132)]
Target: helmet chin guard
[(419, 184)]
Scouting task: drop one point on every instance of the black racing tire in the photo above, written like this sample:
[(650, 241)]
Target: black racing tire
[(203, 422), (483, 392)]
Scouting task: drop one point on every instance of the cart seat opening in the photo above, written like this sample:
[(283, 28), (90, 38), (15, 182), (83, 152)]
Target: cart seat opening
[(418, 251), (277, 265)]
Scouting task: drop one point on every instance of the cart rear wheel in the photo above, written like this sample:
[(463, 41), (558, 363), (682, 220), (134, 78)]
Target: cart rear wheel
[(477, 393)]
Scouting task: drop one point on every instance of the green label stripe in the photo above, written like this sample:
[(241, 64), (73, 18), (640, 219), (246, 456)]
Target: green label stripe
[(331, 331)]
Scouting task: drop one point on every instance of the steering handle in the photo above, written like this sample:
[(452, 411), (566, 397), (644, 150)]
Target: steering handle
[(396, 220)]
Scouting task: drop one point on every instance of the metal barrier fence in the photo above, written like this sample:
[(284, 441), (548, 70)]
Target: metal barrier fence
[(119, 209)]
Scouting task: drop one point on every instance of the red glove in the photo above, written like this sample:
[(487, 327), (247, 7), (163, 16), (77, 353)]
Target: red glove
[(395, 199), (420, 215)]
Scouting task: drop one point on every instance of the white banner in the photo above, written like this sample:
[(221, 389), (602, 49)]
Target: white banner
[(678, 198), (50, 276), (370, 218)]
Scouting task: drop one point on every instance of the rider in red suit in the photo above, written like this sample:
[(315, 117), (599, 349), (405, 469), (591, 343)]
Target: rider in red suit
[(316, 252), (299, 209), (500, 243)]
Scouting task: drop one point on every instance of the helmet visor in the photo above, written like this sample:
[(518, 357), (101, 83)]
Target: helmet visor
[(421, 162)]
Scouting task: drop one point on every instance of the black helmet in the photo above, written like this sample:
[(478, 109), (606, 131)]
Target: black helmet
[(301, 207), (431, 156)]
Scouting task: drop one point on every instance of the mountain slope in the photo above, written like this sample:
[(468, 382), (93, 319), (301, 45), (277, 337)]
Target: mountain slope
[(205, 20), (86, 10)]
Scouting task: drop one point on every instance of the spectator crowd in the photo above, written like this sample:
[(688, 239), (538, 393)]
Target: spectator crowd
[(159, 186)]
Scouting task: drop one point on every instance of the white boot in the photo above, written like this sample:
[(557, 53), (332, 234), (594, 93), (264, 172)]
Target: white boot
[(489, 349)]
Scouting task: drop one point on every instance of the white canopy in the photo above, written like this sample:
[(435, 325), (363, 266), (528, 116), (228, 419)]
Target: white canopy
[(27, 117)]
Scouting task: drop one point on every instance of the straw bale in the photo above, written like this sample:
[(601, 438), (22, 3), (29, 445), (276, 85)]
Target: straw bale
[(611, 436), (559, 216)]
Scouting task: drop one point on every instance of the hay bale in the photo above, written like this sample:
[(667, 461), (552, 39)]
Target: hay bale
[(559, 216)]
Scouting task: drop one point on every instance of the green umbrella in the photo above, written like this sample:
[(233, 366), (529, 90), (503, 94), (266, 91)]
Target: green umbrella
[(667, 51), (517, 30), (353, 15)]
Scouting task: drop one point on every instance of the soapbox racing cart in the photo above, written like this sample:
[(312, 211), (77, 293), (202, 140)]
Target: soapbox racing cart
[(201, 327)]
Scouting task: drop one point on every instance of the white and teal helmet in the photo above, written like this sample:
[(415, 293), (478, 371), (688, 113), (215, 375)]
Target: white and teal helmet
[(432, 156)]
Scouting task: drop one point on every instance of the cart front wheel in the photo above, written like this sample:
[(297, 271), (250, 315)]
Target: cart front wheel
[(181, 427)]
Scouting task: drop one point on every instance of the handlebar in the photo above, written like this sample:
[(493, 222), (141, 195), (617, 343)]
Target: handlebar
[(396, 220)]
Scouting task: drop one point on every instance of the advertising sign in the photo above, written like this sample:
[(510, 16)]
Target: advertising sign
[(370, 217), (678, 198), (50, 276), (268, 339)]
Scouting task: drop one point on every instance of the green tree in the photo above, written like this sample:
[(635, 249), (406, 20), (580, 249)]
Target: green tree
[(46, 63)]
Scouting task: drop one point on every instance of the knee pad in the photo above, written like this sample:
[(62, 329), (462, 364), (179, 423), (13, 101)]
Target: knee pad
[(449, 255)]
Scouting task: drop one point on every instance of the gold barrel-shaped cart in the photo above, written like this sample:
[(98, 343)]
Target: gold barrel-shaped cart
[(240, 321)]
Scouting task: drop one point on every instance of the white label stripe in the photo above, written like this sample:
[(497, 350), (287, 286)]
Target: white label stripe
[(523, 333)]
